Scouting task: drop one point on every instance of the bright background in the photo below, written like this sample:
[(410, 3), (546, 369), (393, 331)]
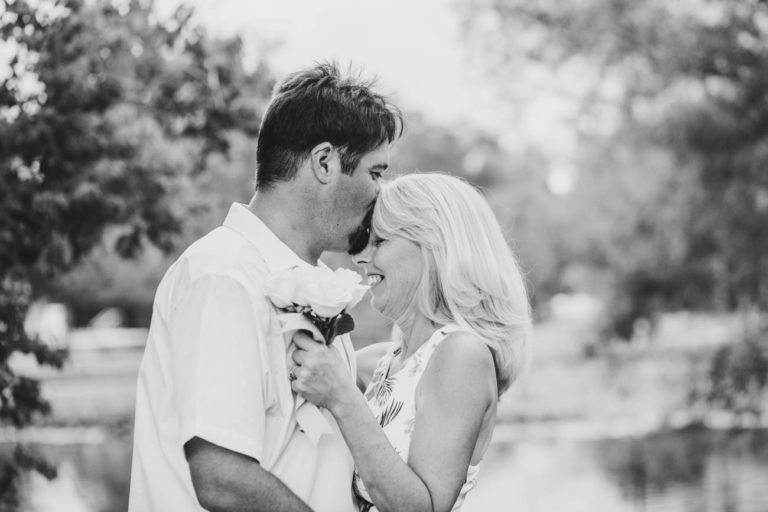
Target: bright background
[(623, 146)]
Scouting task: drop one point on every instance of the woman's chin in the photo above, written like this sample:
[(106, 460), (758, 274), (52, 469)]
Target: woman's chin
[(379, 307)]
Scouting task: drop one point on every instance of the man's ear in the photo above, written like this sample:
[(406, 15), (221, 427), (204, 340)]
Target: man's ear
[(325, 163)]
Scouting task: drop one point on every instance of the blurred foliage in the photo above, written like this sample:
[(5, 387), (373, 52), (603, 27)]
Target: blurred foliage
[(673, 98), (519, 198), (108, 118), (105, 279), (737, 381), (470, 154), (689, 81)]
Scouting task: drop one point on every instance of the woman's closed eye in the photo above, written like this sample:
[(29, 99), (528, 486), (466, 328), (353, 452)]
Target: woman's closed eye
[(377, 241)]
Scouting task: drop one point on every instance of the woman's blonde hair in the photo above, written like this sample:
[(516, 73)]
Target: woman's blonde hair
[(471, 277)]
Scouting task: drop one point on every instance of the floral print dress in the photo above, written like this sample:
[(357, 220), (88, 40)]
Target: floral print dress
[(392, 399)]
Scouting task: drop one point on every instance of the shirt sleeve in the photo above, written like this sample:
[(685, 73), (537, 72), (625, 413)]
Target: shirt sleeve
[(217, 356)]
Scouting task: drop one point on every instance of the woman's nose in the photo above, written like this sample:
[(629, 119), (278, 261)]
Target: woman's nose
[(363, 256)]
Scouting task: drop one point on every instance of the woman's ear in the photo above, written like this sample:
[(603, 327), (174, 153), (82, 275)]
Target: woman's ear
[(325, 163)]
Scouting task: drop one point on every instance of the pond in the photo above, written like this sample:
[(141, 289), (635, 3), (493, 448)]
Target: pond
[(682, 471)]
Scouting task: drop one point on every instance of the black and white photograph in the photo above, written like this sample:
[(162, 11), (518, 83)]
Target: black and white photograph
[(403, 256)]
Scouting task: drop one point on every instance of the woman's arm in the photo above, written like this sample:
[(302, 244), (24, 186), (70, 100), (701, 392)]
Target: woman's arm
[(367, 359), (455, 393)]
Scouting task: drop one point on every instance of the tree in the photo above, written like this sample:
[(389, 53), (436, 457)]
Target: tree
[(106, 117), (688, 79)]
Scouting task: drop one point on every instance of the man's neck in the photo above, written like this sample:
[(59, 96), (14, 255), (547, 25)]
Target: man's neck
[(286, 223)]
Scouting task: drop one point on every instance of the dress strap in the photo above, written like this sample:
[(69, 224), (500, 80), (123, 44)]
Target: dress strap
[(444, 331), (448, 329), (425, 351)]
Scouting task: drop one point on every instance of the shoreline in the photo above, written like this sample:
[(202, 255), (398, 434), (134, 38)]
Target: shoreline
[(505, 432)]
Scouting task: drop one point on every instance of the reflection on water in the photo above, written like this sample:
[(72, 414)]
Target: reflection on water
[(91, 478), (725, 472), (691, 471)]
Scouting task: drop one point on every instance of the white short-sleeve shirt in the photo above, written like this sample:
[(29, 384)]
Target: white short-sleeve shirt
[(215, 367)]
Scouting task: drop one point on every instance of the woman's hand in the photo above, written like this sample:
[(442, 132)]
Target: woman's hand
[(322, 377)]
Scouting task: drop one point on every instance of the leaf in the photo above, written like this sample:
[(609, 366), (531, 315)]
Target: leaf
[(390, 413), (343, 324), (384, 391)]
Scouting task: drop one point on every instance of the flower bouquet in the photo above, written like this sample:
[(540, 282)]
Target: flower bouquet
[(316, 300)]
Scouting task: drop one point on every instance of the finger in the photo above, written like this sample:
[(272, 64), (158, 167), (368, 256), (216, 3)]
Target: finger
[(299, 357), (304, 342), (296, 383), (302, 336)]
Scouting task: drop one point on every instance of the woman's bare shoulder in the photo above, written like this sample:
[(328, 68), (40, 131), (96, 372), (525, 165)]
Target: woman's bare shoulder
[(462, 359)]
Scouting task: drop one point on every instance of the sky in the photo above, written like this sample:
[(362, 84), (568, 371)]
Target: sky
[(421, 58), (415, 48)]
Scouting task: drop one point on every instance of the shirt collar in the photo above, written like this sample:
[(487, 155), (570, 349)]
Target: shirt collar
[(276, 254)]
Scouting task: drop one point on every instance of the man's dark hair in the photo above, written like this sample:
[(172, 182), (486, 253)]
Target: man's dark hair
[(321, 105)]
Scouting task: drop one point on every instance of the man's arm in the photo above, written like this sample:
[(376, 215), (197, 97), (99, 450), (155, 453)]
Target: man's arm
[(229, 481), (217, 337)]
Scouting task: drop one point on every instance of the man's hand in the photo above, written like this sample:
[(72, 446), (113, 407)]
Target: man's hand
[(227, 481)]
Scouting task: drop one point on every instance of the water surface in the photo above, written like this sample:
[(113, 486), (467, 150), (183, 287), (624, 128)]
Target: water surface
[(685, 471)]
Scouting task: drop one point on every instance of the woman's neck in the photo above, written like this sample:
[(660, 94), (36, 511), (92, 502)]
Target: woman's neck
[(416, 331)]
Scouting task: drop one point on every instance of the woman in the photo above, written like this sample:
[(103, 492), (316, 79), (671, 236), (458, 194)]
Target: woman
[(439, 267)]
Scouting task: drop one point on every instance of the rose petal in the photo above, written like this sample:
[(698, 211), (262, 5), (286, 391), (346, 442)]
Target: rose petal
[(347, 277), (358, 292), (280, 288)]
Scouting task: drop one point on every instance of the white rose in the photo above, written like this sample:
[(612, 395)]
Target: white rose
[(346, 276), (282, 288), (358, 292), (334, 292), (326, 298), (351, 279), (303, 277)]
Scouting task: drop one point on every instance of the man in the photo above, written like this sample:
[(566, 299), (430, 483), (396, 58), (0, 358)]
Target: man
[(215, 422)]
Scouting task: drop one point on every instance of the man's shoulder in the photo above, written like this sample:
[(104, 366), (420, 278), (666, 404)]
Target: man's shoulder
[(222, 252)]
